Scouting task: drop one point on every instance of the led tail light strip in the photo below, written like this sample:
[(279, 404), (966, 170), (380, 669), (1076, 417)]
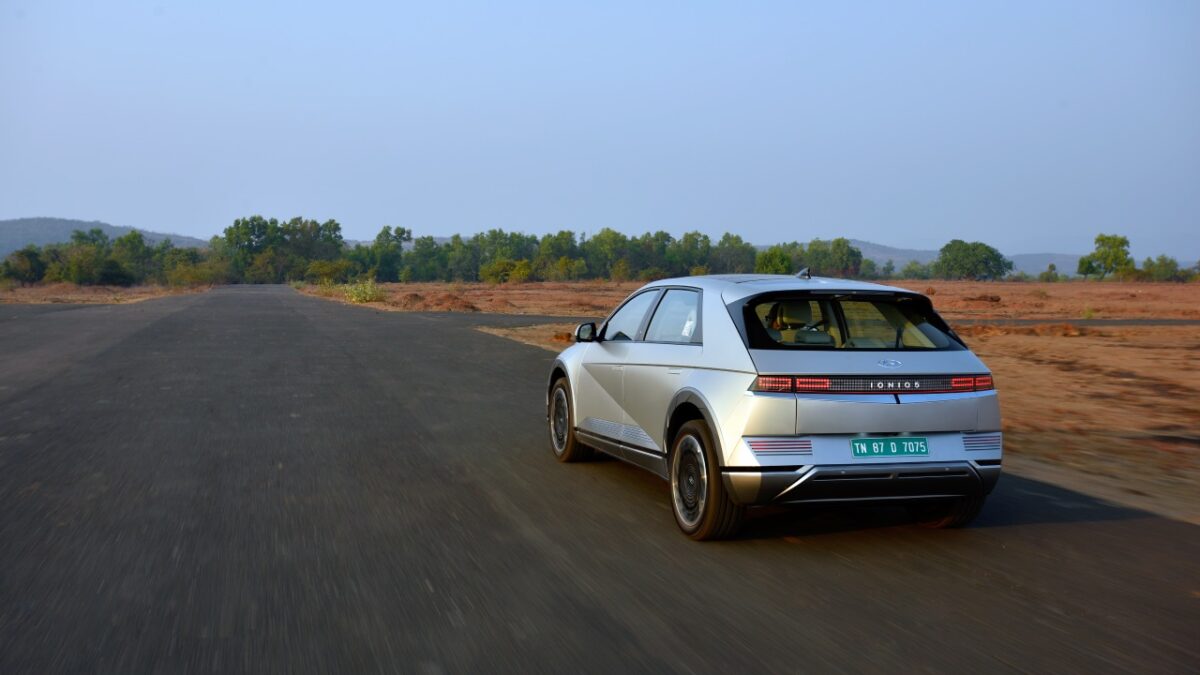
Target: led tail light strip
[(856, 384)]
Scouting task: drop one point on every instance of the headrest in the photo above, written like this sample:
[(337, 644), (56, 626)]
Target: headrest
[(795, 313)]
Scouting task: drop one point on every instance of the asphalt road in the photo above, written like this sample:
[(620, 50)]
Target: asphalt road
[(250, 480)]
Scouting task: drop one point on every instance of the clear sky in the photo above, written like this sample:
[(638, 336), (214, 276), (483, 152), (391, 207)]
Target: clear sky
[(1029, 125)]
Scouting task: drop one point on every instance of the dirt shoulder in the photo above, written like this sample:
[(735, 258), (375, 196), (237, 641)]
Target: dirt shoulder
[(88, 295), (578, 298), (1107, 412)]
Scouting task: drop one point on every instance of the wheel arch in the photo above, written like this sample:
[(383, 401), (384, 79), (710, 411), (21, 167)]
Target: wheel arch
[(558, 371), (689, 404)]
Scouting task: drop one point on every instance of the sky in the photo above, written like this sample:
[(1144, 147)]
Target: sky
[(1031, 126)]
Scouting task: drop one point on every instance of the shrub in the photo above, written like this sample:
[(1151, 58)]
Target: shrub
[(520, 272), (364, 291), (112, 273), (326, 289), (322, 270)]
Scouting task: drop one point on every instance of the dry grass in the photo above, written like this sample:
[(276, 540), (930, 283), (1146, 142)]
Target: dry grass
[(1119, 405), (1064, 300), (88, 295), (580, 298), (1112, 411), (954, 299)]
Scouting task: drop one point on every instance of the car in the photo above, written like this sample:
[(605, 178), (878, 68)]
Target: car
[(751, 390)]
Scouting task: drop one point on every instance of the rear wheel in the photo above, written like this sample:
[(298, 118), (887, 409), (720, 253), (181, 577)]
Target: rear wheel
[(563, 442), (702, 507), (958, 512)]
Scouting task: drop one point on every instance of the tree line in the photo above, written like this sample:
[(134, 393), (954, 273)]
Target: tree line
[(261, 250)]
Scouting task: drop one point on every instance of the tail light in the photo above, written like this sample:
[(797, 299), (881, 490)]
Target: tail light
[(962, 383), (858, 384), (774, 383), (818, 384)]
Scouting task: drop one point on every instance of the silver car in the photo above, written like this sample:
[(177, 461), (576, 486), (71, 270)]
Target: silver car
[(746, 390)]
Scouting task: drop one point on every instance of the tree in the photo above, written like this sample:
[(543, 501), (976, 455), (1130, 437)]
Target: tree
[(267, 267), (386, 253), (1051, 273), (868, 270), (1163, 268), (1087, 267), (818, 258), (603, 250), (82, 263), (731, 255), (462, 259), (25, 265), (551, 251), (132, 253), (970, 260), (94, 237), (427, 260), (844, 260), (913, 269), (647, 255), (328, 271), (775, 260), (688, 253), (248, 237), (1111, 254), (112, 273), (889, 268)]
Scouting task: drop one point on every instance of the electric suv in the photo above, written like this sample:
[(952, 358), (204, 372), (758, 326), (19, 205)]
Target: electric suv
[(746, 390)]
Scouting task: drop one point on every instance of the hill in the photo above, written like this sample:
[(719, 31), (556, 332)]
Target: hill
[(1030, 263), (20, 232)]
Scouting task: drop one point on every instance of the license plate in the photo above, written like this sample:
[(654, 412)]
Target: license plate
[(897, 446)]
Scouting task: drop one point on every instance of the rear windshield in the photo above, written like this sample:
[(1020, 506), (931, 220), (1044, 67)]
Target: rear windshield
[(891, 322)]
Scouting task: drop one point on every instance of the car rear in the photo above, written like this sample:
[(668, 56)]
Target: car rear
[(863, 393)]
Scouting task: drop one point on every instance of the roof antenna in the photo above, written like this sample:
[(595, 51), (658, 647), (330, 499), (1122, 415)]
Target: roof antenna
[(803, 273)]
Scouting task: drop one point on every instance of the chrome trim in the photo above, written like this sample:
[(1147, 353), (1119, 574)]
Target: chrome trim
[(625, 434), (948, 396), (655, 463)]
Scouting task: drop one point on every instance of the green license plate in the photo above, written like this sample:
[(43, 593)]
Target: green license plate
[(897, 446)]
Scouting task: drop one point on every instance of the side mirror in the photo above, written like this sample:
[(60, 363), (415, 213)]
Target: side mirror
[(585, 332)]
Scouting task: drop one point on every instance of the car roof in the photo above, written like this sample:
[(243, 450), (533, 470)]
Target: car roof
[(736, 286)]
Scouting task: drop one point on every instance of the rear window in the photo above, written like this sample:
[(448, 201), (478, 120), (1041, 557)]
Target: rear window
[(898, 322)]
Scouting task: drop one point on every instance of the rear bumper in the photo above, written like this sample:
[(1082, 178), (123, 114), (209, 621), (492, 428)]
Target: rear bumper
[(899, 481)]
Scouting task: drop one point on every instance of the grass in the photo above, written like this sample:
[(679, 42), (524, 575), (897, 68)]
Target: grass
[(364, 291)]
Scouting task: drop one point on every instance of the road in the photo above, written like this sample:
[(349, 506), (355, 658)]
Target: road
[(252, 480)]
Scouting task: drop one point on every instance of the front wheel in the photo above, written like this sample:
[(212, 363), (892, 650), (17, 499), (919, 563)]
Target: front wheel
[(563, 442), (702, 507)]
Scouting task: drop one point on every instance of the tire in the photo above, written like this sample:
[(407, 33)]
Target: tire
[(702, 507), (958, 512), (561, 423)]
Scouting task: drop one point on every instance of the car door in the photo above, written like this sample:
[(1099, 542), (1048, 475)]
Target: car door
[(600, 389), (657, 364)]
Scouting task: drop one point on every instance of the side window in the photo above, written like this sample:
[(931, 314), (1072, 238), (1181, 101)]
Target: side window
[(677, 318), (625, 323)]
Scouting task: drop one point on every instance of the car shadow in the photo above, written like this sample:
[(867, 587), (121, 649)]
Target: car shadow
[(1016, 501)]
